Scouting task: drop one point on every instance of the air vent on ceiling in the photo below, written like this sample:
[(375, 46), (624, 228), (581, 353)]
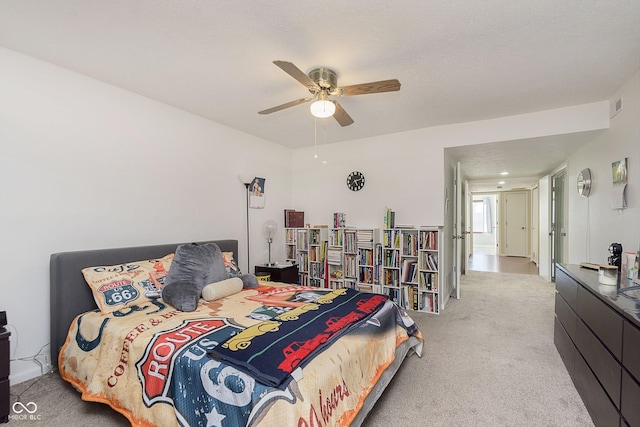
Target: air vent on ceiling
[(615, 107)]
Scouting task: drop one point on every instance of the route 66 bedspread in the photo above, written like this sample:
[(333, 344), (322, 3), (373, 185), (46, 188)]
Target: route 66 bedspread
[(152, 363)]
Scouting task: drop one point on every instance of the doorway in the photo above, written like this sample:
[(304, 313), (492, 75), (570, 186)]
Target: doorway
[(516, 239), (489, 231), (484, 234), (558, 220)]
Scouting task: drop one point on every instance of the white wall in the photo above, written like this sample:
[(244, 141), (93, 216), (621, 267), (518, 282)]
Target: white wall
[(87, 165), (593, 225), (405, 171), (544, 226)]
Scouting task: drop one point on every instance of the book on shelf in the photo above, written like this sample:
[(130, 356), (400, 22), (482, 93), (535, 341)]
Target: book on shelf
[(334, 255), (409, 271), (389, 218), (293, 218), (365, 288)]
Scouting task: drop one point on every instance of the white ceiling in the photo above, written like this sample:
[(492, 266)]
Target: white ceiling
[(457, 60)]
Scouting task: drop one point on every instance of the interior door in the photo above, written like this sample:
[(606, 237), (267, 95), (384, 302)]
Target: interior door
[(468, 226), (515, 209), (457, 231), (558, 226), (535, 219)]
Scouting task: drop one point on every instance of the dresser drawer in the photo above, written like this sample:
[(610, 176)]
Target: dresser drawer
[(630, 400), (566, 316), (606, 368), (565, 346), (605, 323), (631, 350), (567, 287), (4, 400), (602, 410), (4, 356)]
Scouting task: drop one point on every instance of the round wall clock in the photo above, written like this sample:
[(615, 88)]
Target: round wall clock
[(355, 181), (584, 182)]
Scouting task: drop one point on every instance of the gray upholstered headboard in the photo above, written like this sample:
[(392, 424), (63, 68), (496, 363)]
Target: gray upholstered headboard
[(70, 294)]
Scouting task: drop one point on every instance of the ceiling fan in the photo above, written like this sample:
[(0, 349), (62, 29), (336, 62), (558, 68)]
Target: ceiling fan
[(322, 83)]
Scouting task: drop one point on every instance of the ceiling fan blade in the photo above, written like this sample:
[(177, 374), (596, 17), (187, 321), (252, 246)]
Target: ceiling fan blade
[(341, 116), (297, 74), (287, 105), (366, 88)]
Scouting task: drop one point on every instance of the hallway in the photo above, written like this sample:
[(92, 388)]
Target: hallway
[(502, 264)]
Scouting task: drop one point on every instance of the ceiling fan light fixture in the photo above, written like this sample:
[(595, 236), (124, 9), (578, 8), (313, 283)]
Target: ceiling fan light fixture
[(322, 107)]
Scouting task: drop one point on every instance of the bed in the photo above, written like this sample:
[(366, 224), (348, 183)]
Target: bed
[(160, 366)]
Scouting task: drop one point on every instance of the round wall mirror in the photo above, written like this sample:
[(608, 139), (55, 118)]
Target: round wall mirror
[(584, 182)]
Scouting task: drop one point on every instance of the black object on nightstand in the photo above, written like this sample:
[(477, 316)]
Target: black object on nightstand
[(4, 375), (279, 273)]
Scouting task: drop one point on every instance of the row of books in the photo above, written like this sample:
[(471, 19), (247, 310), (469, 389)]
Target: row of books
[(368, 275), (390, 258), (350, 243), (334, 255), (430, 261), (317, 253), (429, 240), (428, 281), (391, 278), (410, 244), (302, 240), (303, 261), (350, 266), (391, 239), (365, 238), (409, 271), (389, 218), (336, 237), (415, 300), (316, 270), (366, 256)]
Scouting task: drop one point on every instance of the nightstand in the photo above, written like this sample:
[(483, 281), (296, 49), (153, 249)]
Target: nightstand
[(4, 375), (279, 273)]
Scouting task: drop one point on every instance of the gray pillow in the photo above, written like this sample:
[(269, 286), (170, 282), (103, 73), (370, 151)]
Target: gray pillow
[(194, 266)]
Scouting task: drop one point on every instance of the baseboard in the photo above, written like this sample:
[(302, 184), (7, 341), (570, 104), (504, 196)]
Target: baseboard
[(18, 376)]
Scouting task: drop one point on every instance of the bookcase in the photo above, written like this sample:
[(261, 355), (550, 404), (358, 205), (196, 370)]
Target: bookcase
[(290, 238), (369, 250), (402, 263), (390, 266), (427, 295), (302, 255), (342, 258), (306, 247), (317, 250), (409, 267)]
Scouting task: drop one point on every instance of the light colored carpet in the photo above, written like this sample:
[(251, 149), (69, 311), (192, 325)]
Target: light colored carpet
[(490, 361)]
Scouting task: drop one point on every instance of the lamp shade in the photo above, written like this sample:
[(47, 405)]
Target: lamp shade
[(322, 107), (270, 228)]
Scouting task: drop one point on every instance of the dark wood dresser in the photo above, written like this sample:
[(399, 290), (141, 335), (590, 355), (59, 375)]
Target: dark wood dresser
[(279, 273), (597, 333), (4, 375)]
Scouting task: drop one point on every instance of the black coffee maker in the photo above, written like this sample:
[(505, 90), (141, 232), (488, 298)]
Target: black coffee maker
[(615, 249)]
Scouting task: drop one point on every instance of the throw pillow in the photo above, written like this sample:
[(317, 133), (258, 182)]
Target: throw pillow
[(194, 266), (224, 288), (116, 287)]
